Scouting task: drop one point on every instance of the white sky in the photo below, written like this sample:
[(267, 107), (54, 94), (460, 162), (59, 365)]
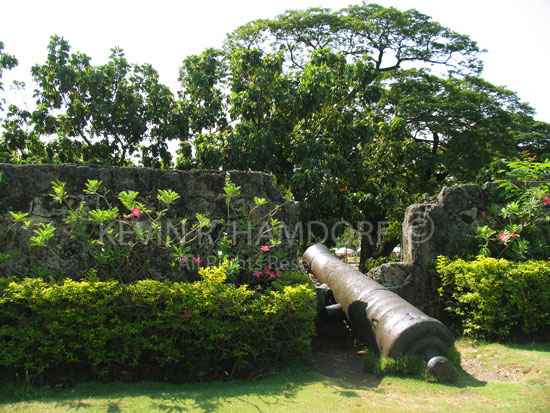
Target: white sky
[(163, 32)]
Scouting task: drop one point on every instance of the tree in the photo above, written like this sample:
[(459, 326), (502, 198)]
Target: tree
[(534, 139), (387, 36), (321, 100), (465, 122), (17, 142), (116, 113), (7, 62)]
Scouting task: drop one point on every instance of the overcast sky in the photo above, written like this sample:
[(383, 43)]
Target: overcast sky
[(515, 33)]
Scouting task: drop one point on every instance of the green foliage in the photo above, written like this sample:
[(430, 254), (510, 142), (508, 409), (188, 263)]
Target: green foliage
[(469, 122), (371, 363), (371, 263), (62, 331), (18, 216), (59, 195), (44, 233), (497, 298), (406, 365), (519, 230), (361, 30), (292, 278), (320, 100), (7, 62), (167, 197), (409, 365), (112, 113)]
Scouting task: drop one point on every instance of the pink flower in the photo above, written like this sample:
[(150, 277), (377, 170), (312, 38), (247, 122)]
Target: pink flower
[(257, 274), (197, 260), (546, 200), (275, 274), (135, 213), (185, 260), (186, 313), (505, 236), (265, 248)]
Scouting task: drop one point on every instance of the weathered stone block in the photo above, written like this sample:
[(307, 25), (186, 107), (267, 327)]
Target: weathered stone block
[(27, 188)]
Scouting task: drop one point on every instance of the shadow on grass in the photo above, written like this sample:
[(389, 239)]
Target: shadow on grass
[(278, 390), (275, 389), (538, 347), (335, 366), (465, 379)]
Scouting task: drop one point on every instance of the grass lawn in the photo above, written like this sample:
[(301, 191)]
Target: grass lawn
[(496, 377)]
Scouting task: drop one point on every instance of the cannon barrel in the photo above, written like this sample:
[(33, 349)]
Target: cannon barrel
[(374, 312)]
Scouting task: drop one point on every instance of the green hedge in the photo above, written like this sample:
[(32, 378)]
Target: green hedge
[(497, 298), (149, 329)]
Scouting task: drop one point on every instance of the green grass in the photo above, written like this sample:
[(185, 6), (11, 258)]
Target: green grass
[(302, 389)]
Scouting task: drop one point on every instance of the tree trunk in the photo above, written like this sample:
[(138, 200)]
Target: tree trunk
[(372, 245), (369, 240), (385, 248)]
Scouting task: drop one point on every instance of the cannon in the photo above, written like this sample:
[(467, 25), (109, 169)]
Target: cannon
[(380, 316)]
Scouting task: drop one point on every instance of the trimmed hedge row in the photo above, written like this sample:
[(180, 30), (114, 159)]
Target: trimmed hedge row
[(497, 298), (151, 330)]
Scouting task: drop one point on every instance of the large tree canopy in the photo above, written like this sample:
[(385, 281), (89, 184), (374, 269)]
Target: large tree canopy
[(356, 111), (388, 37)]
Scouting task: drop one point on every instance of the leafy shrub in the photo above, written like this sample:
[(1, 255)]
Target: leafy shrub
[(519, 230), (371, 363), (497, 298), (371, 263), (406, 365), (409, 365), (92, 329)]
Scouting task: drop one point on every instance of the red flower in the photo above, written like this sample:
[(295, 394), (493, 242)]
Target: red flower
[(257, 274), (546, 200), (505, 236), (197, 260), (265, 248), (135, 213)]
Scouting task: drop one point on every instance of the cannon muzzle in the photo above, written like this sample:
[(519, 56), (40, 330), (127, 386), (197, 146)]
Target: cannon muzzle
[(379, 315)]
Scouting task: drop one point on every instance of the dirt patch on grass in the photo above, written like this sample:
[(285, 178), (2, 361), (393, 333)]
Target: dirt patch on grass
[(497, 373), (486, 366), (337, 356)]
